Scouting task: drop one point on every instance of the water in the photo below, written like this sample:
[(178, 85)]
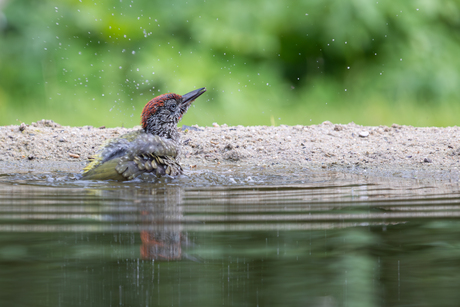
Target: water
[(229, 237)]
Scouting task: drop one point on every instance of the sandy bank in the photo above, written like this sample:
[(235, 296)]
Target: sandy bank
[(400, 151)]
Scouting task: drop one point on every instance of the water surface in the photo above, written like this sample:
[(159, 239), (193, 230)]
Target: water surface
[(228, 237)]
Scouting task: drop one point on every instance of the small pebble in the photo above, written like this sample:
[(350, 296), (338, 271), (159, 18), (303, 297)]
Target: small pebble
[(427, 160), (228, 147), (364, 134), (74, 155), (216, 125)]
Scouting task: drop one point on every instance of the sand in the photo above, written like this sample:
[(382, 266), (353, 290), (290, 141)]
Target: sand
[(398, 151)]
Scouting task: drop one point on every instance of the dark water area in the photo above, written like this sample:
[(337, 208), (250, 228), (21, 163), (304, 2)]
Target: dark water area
[(229, 238)]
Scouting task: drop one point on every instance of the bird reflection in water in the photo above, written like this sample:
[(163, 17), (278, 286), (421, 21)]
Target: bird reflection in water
[(161, 245), (160, 219)]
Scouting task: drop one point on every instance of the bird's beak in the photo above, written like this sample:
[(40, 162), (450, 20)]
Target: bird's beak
[(188, 98)]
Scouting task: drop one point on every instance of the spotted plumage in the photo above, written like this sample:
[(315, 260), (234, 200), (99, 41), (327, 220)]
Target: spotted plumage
[(152, 150)]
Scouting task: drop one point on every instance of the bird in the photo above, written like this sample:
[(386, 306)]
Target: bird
[(152, 150)]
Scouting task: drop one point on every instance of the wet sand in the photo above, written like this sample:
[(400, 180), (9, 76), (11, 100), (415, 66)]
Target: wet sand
[(428, 153)]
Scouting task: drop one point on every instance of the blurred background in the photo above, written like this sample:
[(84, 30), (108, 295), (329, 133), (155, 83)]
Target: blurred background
[(90, 62)]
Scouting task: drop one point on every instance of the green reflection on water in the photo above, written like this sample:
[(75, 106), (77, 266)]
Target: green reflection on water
[(167, 244)]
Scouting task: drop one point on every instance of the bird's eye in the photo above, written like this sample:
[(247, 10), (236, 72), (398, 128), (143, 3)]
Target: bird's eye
[(172, 107)]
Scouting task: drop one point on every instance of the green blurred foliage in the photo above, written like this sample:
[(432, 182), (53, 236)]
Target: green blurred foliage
[(89, 62)]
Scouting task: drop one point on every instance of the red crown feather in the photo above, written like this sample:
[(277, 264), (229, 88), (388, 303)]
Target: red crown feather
[(152, 106)]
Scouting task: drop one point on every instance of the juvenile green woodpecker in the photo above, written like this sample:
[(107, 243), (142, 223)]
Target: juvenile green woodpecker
[(153, 149)]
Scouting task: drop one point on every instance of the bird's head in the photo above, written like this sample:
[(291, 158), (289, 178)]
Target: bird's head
[(161, 114)]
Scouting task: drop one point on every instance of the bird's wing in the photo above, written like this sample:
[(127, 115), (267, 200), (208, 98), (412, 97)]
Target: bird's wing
[(126, 158), (150, 163), (147, 144), (125, 169), (109, 150)]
